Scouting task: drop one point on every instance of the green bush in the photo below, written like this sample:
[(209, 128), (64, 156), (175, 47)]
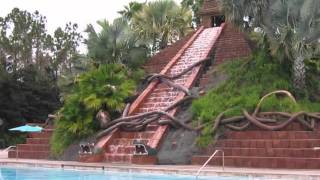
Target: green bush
[(313, 78), (248, 80), (104, 88)]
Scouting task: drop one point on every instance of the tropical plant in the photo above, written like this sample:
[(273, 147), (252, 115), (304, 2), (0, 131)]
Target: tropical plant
[(195, 5), (104, 88), (28, 96), (64, 45), (131, 9), (161, 22), (66, 80), (24, 41), (291, 25), (248, 80), (115, 43), (31, 61), (313, 78)]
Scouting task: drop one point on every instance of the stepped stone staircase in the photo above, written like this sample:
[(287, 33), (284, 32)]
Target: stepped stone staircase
[(118, 146), (37, 146), (293, 148)]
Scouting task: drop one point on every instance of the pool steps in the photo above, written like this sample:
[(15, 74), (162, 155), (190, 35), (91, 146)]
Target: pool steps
[(293, 148), (37, 146)]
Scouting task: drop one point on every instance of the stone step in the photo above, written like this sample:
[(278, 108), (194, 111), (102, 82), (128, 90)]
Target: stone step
[(43, 134), (118, 158), (29, 154), (33, 147), (271, 152), (126, 142), (152, 127), (120, 149), (268, 143), (203, 81), (38, 141), (272, 135), (293, 126), (136, 135), (260, 162)]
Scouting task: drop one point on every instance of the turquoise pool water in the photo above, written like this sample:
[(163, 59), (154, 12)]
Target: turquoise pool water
[(9, 173)]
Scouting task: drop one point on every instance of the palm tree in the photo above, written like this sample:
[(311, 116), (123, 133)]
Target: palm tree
[(195, 5), (102, 89), (130, 10), (291, 25), (115, 43), (161, 22)]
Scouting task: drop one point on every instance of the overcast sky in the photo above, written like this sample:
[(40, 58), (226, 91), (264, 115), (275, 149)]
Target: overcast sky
[(59, 12)]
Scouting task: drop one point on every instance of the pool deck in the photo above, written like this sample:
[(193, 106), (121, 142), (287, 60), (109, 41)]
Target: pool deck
[(252, 173)]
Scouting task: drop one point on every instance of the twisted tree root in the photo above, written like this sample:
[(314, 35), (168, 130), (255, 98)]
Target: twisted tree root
[(126, 110), (275, 127), (157, 76), (168, 79), (176, 86), (144, 121), (238, 128), (260, 119), (271, 93)]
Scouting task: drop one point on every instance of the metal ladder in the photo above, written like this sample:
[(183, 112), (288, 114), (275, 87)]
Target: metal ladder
[(206, 163)]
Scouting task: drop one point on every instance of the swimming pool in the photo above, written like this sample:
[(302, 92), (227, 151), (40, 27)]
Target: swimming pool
[(10, 173)]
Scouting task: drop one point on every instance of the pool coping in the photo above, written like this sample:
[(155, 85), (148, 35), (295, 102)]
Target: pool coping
[(167, 169)]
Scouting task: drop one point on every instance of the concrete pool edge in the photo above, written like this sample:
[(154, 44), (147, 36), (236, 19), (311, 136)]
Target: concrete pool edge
[(166, 169)]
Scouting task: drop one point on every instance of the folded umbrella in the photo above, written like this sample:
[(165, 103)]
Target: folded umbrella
[(27, 128)]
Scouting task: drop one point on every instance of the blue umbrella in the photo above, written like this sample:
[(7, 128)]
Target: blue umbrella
[(27, 128)]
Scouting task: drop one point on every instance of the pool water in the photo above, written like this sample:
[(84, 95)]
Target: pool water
[(9, 173)]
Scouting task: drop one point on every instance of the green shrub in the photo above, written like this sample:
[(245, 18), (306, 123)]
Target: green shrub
[(249, 79), (103, 88)]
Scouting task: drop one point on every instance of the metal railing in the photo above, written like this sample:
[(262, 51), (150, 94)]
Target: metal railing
[(206, 163), (4, 153), (8, 148)]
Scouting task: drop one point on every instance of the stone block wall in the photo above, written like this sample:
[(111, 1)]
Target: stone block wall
[(206, 21), (231, 44), (157, 62)]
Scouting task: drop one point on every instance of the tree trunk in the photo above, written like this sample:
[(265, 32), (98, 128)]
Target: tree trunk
[(299, 73), (104, 118)]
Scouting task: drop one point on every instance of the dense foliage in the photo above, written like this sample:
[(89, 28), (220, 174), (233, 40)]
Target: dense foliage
[(25, 97), (103, 88), (117, 52), (31, 61), (116, 43), (131, 9), (195, 6), (248, 80), (292, 26), (313, 78), (161, 22)]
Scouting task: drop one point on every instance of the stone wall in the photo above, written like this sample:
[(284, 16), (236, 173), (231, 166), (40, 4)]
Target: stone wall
[(231, 44), (157, 62), (206, 21)]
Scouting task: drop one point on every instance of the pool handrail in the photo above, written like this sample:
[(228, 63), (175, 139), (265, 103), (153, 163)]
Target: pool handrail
[(206, 163), (8, 148)]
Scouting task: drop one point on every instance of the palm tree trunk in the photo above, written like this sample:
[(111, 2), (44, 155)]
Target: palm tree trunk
[(299, 73)]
